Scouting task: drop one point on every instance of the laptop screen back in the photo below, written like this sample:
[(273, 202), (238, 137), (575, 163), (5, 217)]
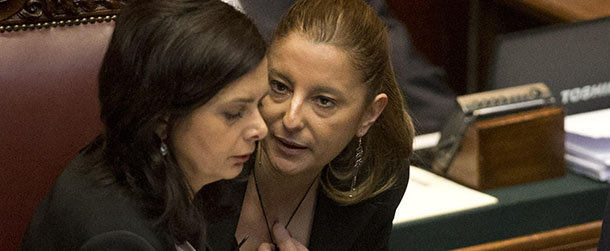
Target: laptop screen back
[(572, 59)]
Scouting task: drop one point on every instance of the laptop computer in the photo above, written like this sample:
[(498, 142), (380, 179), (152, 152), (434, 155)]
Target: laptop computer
[(572, 59)]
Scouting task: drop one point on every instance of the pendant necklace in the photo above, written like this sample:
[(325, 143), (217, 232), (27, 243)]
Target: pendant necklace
[(260, 200)]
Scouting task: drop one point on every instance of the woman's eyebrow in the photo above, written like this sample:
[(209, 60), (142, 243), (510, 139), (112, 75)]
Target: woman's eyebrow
[(327, 89), (242, 100), (318, 88), (284, 77)]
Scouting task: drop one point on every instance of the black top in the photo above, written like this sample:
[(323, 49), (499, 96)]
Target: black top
[(363, 226), (80, 214)]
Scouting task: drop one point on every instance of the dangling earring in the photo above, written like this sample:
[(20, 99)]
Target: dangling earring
[(163, 149), (359, 153)]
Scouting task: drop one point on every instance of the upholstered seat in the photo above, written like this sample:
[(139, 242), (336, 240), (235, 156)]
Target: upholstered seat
[(48, 105)]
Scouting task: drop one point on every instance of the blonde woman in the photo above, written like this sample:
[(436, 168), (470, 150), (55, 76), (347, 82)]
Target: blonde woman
[(334, 167)]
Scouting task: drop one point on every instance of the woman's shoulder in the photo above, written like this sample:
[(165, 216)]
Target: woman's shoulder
[(78, 210), (393, 195), (80, 189)]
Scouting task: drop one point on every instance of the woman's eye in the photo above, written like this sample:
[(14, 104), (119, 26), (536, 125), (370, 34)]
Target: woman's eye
[(278, 87), (325, 102), (232, 116)]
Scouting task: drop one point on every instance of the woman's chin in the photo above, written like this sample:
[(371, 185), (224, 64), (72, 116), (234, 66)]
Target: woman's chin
[(234, 171), (289, 167)]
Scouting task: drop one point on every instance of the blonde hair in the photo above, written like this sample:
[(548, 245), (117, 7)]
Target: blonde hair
[(354, 27)]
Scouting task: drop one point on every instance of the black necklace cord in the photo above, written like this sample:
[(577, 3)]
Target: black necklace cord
[(260, 199)]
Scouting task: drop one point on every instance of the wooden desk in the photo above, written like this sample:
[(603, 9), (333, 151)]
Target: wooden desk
[(521, 210), (579, 237)]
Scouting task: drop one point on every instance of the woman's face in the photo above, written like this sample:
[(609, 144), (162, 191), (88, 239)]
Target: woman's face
[(315, 106), (216, 139)]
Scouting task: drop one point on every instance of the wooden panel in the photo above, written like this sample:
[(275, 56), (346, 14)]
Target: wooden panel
[(512, 149), (579, 237), (564, 10)]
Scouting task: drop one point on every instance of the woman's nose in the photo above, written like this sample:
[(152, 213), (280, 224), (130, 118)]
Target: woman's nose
[(259, 130), (293, 117)]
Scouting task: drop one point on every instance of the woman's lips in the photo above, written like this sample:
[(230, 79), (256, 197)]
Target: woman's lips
[(289, 147), (242, 158)]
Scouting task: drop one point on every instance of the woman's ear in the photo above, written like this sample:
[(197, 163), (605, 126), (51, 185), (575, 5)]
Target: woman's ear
[(372, 113), (162, 126)]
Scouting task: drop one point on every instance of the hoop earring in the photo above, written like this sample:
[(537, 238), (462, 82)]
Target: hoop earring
[(359, 154), (163, 149)]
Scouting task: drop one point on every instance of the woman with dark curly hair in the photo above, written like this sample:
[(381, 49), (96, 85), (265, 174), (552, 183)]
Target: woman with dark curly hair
[(179, 90)]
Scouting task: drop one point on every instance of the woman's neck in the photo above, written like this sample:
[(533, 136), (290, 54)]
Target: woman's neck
[(277, 186), (287, 199)]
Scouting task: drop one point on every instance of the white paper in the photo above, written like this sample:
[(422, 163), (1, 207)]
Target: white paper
[(594, 124), (426, 140), (430, 195)]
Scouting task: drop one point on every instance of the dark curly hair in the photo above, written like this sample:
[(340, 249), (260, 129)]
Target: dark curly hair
[(165, 59)]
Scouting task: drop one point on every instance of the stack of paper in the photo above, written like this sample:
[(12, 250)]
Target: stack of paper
[(430, 195), (588, 144)]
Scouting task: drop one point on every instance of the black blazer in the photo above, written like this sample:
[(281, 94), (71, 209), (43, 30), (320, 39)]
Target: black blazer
[(363, 226), (78, 214)]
